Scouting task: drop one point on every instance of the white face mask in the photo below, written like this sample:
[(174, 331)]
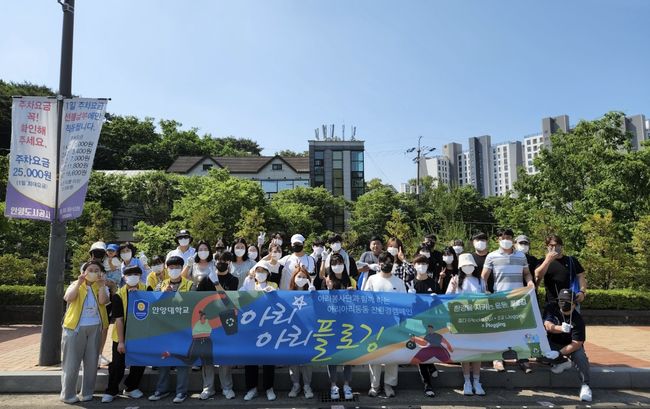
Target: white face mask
[(425, 254), (338, 269), (458, 249), (480, 245), (174, 273), (393, 251), (318, 250), (204, 254), (252, 255), (126, 256), (467, 269), (523, 248), (336, 246), (302, 281), (505, 244), (448, 259), (278, 242), (421, 268), (131, 280), (157, 268), (240, 252), (276, 256), (92, 277), (184, 242), (261, 277)]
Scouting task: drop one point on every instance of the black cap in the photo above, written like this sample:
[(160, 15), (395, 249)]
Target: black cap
[(566, 295), (183, 233)]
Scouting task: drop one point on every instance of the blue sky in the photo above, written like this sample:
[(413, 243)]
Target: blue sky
[(273, 71)]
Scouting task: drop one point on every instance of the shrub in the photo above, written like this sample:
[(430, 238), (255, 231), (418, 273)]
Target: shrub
[(21, 295), (15, 270)]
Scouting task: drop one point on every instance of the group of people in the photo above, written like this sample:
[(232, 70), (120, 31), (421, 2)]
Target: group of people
[(100, 294)]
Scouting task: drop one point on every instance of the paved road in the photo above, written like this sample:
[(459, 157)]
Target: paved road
[(496, 398)]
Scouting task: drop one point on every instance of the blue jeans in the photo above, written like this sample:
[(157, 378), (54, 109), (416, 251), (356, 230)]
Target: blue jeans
[(182, 379)]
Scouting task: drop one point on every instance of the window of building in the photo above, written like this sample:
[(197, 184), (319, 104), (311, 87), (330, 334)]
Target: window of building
[(357, 180), (269, 186), (207, 167), (276, 166)]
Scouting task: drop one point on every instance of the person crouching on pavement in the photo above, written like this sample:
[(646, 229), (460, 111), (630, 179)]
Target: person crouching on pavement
[(566, 334)]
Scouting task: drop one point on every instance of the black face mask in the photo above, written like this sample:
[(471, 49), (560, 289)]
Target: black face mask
[(387, 267), (221, 266), (565, 306), (297, 248)]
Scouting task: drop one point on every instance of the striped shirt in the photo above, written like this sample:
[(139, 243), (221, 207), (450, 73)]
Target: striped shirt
[(508, 269)]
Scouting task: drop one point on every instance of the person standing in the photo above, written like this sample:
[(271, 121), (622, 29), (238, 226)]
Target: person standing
[(561, 271), (84, 319), (183, 239)]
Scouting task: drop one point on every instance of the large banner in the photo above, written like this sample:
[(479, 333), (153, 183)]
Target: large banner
[(31, 188), (82, 122), (330, 327)]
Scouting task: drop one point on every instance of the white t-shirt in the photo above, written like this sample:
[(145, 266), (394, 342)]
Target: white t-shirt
[(471, 285), (378, 283), (190, 252), (289, 263)]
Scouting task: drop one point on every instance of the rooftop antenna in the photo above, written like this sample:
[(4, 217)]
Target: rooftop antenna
[(354, 132), (333, 137), (324, 132), (343, 131), (316, 132)]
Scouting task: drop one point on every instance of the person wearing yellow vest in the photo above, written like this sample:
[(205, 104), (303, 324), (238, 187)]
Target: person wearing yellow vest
[(84, 319), (158, 273), (177, 283), (116, 368)]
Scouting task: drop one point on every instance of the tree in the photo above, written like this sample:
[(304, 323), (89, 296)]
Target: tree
[(152, 194), (288, 153), (371, 212), (250, 224), (398, 226), (640, 240)]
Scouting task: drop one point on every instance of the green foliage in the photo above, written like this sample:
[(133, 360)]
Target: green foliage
[(95, 224), (22, 295), (15, 270), (250, 224), (398, 226), (287, 153), (155, 240), (371, 211), (621, 299), (640, 242), (153, 194)]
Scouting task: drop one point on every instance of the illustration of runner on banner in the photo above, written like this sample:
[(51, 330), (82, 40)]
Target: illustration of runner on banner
[(331, 328)]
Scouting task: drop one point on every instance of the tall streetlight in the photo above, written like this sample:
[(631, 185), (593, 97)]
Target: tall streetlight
[(421, 152)]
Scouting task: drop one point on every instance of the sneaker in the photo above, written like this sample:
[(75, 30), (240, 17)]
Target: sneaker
[(478, 389), (86, 398), (103, 361), (107, 398), (229, 393), (308, 392), (294, 390), (158, 396), (498, 365), (180, 398), (134, 394), (206, 394), (585, 393), (561, 367), (251, 394), (390, 392), (71, 400), (334, 393), (270, 395), (373, 392), (429, 392), (525, 366), (347, 392), (467, 389)]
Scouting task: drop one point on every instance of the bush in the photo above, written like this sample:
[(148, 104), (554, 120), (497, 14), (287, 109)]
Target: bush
[(609, 299), (15, 270), (21, 295)]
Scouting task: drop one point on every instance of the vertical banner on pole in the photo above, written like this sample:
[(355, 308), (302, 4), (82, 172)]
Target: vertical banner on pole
[(31, 189), (82, 124)]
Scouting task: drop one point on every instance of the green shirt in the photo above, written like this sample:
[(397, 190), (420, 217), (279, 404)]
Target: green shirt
[(202, 329)]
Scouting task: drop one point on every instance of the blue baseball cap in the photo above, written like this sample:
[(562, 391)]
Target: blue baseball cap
[(113, 247)]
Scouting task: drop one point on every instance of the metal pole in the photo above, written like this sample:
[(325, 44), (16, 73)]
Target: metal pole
[(417, 180), (50, 352)]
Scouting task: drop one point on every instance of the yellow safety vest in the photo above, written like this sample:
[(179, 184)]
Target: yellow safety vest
[(186, 285), (152, 279), (122, 294), (73, 312)]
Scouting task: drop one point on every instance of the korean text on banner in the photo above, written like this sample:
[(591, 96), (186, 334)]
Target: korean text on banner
[(82, 123), (31, 188), (330, 328)]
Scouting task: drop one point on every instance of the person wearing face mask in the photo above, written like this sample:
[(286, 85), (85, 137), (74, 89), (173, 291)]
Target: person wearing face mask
[(184, 250), (449, 268), (522, 243), (273, 263), (435, 256), (113, 266), (468, 281), (458, 246), (402, 269), (242, 264), (251, 372), (175, 283), (127, 254), (117, 366), (384, 281), (226, 282), (97, 253), (424, 284), (298, 257), (254, 253), (203, 265), (510, 270), (337, 272), (480, 243), (158, 273), (278, 239), (219, 247), (84, 319), (561, 271), (300, 281), (335, 241), (566, 334), (317, 252)]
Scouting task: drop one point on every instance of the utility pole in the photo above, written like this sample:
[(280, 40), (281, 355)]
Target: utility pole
[(418, 157), (50, 352)]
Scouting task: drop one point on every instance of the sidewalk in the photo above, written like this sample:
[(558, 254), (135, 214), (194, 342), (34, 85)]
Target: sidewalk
[(619, 357)]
